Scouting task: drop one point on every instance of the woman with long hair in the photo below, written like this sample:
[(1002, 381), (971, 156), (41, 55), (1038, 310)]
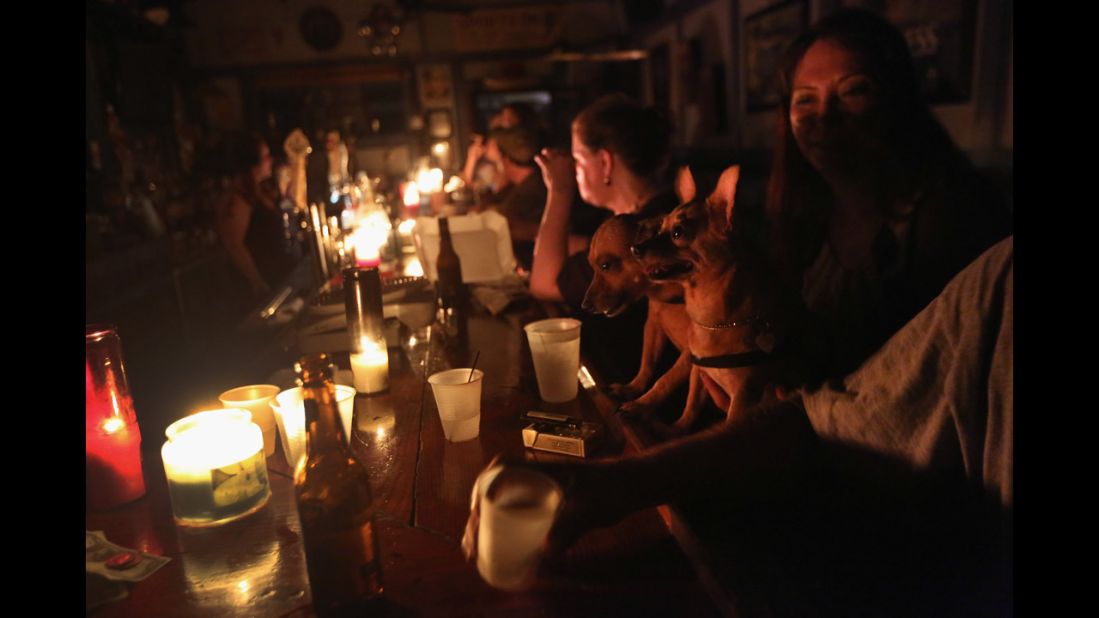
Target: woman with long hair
[(875, 208), (249, 218)]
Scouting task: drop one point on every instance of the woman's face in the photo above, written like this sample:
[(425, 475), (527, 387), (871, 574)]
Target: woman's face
[(835, 110), (590, 172)]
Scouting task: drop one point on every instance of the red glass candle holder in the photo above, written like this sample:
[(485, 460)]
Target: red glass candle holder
[(112, 440)]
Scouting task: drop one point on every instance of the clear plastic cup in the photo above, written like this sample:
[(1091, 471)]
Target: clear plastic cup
[(555, 349), (518, 507), (255, 398), (459, 401), (290, 414)]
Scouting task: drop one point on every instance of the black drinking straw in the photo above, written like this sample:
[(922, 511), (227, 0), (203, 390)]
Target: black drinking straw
[(475, 357)]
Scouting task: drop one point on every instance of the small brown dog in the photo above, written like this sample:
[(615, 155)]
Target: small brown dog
[(731, 300), (619, 282)]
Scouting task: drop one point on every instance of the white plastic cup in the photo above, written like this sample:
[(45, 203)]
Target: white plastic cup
[(290, 412), (255, 398), (459, 401), (555, 349), (518, 506)]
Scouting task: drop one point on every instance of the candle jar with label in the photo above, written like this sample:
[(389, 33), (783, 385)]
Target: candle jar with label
[(366, 327), (112, 440), (215, 467)]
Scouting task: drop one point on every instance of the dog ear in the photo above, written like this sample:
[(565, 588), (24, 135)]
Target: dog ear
[(684, 185), (726, 190)]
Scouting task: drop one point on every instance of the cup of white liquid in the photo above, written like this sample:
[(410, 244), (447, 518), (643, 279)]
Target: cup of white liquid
[(289, 411), (518, 506), (256, 399), (555, 349), (458, 397)]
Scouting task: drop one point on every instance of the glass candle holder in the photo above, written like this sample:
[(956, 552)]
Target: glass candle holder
[(366, 327), (215, 466), (112, 440)]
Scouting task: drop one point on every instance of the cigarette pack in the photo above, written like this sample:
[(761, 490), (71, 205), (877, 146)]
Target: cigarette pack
[(564, 439)]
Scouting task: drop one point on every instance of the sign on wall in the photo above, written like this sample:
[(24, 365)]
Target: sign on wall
[(767, 34)]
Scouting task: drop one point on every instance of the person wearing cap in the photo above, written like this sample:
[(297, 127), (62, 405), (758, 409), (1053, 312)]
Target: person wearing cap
[(523, 203)]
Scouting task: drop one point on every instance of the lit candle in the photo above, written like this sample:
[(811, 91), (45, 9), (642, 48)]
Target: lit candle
[(370, 366), (215, 467), (367, 255), (112, 441), (410, 197), (113, 459)]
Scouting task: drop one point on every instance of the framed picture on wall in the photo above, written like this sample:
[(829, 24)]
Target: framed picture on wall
[(435, 85), (940, 36), (767, 34)]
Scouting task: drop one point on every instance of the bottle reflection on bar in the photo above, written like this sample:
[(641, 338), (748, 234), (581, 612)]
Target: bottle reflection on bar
[(335, 503)]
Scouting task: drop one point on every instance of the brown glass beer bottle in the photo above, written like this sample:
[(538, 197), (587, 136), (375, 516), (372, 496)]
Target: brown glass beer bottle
[(335, 503), (448, 268)]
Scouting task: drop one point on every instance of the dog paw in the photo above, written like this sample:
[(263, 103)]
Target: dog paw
[(683, 425), (634, 406), (625, 392)]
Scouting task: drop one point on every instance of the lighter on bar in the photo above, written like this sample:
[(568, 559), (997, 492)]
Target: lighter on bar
[(536, 416)]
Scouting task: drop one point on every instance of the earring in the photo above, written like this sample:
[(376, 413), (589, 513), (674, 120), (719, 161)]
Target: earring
[(607, 180)]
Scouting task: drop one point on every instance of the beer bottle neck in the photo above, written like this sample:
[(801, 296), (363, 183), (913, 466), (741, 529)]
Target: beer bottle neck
[(324, 430)]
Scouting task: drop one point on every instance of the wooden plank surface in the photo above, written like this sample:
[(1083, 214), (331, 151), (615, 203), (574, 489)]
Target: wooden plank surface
[(422, 485)]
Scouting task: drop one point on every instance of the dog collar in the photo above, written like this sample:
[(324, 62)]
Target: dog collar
[(732, 361), (764, 339)]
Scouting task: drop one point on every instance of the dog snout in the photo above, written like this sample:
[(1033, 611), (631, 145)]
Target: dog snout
[(586, 303)]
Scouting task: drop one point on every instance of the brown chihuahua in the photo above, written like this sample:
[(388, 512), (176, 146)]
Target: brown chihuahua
[(619, 282), (731, 299)]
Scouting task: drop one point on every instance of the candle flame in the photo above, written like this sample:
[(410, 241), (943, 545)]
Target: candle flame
[(372, 348), (411, 195), (430, 181), (413, 268), (112, 425)]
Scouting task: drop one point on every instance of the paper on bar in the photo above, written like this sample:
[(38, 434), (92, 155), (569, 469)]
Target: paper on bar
[(482, 242)]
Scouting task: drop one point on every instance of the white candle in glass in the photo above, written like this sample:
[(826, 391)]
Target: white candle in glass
[(215, 467), (370, 366)]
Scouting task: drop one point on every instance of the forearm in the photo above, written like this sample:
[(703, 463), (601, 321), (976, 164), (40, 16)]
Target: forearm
[(468, 170), (550, 247), (768, 441)]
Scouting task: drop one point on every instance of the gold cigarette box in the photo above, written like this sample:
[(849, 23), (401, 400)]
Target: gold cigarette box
[(555, 438)]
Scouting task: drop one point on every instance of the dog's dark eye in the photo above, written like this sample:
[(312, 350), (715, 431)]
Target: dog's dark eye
[(605, 266), (678, 232)]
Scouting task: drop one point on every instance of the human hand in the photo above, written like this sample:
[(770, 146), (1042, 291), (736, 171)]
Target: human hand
[(558, 170), (476, 148), (590, 501)]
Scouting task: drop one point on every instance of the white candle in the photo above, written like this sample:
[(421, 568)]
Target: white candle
[(370, 367), (215, 467)]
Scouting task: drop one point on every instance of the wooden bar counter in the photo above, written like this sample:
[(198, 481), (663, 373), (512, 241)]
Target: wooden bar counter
[(422, 483)]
